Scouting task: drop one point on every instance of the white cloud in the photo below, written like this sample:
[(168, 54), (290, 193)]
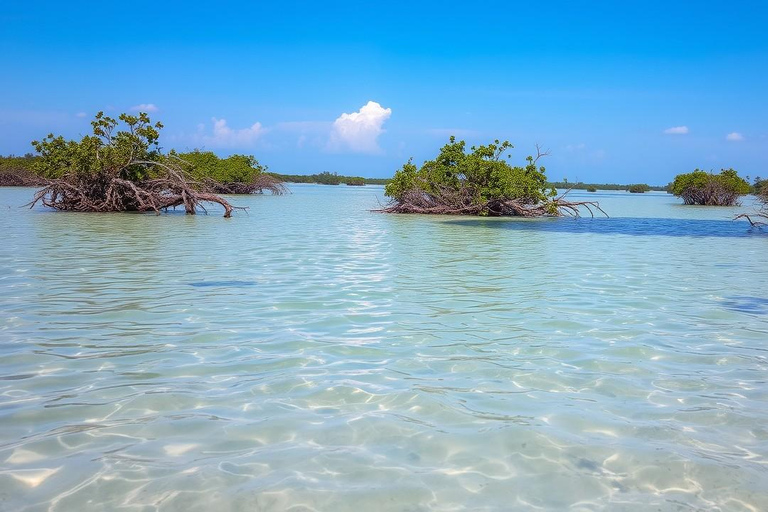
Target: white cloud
[(225, 137), (676, 130), (81, 114), (735, 136), (575, 147), (358, 132), (145, 107)]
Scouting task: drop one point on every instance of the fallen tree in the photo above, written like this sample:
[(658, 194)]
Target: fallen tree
[(704, 188), (117, 171), (481, 182)]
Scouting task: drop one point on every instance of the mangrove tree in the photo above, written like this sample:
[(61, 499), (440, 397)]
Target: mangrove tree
[(478, 182), (116, 170), (704, 188)]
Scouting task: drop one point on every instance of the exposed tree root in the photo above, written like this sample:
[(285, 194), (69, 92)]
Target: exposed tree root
[(106, 193), (754, 222), (450, 202), (761, 215)]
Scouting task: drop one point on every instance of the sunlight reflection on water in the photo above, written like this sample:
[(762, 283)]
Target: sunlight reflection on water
[(315, 355)]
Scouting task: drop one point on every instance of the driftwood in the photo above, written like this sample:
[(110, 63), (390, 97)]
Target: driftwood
[(107, 192)]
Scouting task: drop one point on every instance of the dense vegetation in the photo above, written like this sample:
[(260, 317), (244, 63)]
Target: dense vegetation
[(236, 174), (116, 170), (330, 178), (639, 188), (480, 182), (18, 171), (580, 185), (760, 187), (355, 181), (703, 188)]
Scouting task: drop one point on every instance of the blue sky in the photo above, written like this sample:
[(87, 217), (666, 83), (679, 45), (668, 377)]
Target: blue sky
[(618, 91)]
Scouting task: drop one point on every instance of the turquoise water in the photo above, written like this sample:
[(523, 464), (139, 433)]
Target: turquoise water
[(313, 355)]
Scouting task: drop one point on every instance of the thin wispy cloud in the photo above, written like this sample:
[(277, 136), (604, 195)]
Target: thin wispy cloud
[(677, 130), (81, 114), (575, 147), (734, 136), (359, 131), (145, 107)]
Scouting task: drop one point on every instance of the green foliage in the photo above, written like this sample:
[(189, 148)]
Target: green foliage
[(639, 188), (109, 151), (233, 169), (354, 181), (580, 185), (18, 171), (476, 178), (760, 187), (591, 189), (703, 188), (12, 164), (328, 178)]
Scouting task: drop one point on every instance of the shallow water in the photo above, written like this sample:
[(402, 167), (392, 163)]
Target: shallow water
[(313, 355)]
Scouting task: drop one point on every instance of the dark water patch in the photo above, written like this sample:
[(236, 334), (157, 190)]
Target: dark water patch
[(623, 226), (747, 304), (18, 377), (228, 284)]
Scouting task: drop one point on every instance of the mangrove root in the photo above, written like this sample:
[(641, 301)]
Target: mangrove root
[(461, 202), (105, 192)]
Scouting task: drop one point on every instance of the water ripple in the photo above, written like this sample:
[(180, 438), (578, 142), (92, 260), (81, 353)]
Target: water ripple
[(347, 360)]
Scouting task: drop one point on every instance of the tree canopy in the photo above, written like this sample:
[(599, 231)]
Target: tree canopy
[(704, 188), (478, 182)]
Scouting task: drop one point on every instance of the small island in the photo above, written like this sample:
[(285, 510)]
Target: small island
[(639, 188), (708, 189), (480, 182)]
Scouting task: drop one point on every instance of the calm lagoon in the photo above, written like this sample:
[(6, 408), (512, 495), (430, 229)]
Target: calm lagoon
[(313, 355)]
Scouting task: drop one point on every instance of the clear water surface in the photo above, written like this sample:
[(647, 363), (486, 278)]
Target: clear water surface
[(313, 355)]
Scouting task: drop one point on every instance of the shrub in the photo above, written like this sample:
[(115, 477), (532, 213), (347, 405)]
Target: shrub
[(480, 182), (703, 188), (355, 181)]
